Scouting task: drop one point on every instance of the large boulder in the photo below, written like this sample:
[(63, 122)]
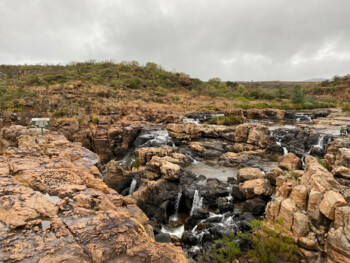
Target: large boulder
[(255, 187), (290, 162), (273, 174), (145, 154), (287, 211), (161, 167), (301, 224), (213, 189), (184, 131), (243, 158), (331, 200), (255, 134), (116, 177), (245, 174), (341, 171), (299, 195)]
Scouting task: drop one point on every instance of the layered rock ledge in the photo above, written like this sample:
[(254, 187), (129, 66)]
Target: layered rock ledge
[(54, 206)]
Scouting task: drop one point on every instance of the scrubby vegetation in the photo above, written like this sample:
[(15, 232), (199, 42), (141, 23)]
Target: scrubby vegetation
[(264, 244), (95, 87), (229, 119)]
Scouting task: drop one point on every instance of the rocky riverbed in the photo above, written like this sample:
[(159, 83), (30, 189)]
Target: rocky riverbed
[(179, 182)]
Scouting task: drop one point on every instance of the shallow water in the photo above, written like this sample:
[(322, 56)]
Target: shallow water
[(209, 171)]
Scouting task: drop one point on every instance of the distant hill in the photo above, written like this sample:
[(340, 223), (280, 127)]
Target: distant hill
[(316, 80)]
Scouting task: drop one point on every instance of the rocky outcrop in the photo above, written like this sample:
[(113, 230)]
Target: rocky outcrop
[(145, 154), (290, 162), (303, 139), (245, 174), (244, 158), (54, 207), (162, 167), (338, 153), (184, 131), (155, 198), (255, 187), (314, 211), (271, 114)]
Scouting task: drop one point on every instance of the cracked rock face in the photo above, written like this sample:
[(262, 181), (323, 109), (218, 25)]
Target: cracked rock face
[(54, 207)]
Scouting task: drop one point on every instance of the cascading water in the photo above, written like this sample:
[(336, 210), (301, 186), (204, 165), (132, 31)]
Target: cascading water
[(133, 186), (190, 120), (153, 137), (320, 141), (285, 150), (197, 202), (174, 217)]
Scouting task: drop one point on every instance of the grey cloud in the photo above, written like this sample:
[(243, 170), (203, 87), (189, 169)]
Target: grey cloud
[(233, 40)]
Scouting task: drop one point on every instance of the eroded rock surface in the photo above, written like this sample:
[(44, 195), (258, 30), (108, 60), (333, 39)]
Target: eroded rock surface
[(313, 208), (54, 207)]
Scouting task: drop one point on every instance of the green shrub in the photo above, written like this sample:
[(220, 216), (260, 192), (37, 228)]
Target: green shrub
[(321, 162), (226, 249), (295, 175), (136, 163), (269, 244), (61, 113), (346, 107), (227, 120), (134, 83), (243, 99), (33, 80), (297, 95)]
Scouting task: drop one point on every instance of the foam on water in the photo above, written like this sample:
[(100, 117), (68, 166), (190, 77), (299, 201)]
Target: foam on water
[(176, 231)]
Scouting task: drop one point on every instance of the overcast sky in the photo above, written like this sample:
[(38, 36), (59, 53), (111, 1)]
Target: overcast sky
[(230, 39)]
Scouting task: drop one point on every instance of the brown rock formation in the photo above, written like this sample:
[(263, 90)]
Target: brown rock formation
[(145, 154), (255, 187), (315, 212), (290, 162), (245, 174), (54, 207)]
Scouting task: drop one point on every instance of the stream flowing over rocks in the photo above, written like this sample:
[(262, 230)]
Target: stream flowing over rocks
[(180, 182)]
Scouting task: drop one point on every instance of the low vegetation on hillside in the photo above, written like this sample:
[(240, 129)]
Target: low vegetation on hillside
[(95, 87)]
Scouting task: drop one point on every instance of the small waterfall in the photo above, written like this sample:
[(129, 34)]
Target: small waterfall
[(309, 119), (178, 231), (285, 150), (177, 204), (133, 186), (197, 202), (191, 120), (229, 197), (320, 141), (154, 137)]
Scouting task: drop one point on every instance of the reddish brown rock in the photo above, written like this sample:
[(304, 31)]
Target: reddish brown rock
[(331, 200), (255, 187), (145, 154), (54, 207), (290, 162), (245, 174), (184, 130)]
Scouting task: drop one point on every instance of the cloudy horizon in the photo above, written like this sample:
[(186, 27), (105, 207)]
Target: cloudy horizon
[(240, 40)]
